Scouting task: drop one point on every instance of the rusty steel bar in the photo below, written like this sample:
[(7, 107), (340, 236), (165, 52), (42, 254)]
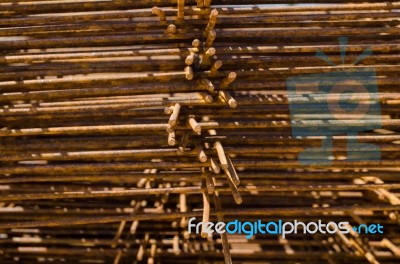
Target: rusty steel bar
[(122, 120)]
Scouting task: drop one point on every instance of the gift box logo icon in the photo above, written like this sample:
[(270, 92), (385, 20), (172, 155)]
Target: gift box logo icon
[(339, 102)]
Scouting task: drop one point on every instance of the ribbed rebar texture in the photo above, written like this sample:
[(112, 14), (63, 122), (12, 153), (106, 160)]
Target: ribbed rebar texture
[(121, 120)]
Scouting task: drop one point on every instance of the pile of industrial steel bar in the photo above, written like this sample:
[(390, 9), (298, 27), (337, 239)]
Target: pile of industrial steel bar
[(121, 120)]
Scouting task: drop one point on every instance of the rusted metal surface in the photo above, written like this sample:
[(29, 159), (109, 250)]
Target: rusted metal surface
[(121, 120)]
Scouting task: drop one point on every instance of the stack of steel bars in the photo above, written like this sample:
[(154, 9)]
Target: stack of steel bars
[(121, 120)]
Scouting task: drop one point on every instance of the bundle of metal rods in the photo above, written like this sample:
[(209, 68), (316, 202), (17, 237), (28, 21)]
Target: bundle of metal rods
[(121, 120)]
